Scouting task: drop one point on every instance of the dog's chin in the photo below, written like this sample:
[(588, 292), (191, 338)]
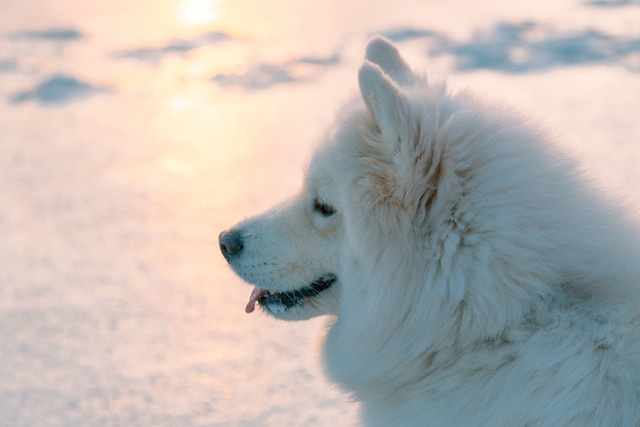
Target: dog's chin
[(316, 299)]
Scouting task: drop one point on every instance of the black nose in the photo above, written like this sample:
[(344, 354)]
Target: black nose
[(230, 243)]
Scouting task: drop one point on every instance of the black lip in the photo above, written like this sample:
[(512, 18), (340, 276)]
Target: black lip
[(292, 298)]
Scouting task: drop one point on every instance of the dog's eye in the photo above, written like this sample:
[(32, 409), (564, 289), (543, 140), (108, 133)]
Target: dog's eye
[(323, 208)]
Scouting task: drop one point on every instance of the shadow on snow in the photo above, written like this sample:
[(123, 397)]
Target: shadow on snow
[(175, 47), (612, 3), (263, 75), (49, 34), (527, 47), (58, 89)]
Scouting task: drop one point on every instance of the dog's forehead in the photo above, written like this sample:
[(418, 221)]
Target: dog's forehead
[(319, 175)]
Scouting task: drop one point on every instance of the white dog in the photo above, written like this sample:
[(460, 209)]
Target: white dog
[(475, 278)]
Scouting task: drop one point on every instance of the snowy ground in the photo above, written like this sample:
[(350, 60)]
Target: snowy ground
[(132, 133)]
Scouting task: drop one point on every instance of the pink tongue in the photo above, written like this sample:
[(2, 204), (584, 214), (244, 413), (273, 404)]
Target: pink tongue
[(256, 293)]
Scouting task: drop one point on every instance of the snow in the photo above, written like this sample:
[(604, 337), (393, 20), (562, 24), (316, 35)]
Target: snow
[(132, 133)]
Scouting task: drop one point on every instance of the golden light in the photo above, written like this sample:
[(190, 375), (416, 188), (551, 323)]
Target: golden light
[(199, 12)]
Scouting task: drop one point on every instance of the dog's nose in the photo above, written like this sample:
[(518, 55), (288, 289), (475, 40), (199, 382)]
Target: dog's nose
[(230, 243)]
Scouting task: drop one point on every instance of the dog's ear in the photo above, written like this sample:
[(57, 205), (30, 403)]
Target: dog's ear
[(383, 98), (382, 52)]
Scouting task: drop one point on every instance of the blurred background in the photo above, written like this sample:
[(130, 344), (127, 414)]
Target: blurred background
[(132, 133)]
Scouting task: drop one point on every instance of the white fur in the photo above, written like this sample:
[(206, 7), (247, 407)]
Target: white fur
[(482, 281)]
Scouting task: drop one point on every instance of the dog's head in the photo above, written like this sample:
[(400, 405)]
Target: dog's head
[(291, 252), (414, 193)]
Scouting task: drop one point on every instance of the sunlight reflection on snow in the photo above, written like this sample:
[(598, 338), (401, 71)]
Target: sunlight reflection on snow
[(199, 12)]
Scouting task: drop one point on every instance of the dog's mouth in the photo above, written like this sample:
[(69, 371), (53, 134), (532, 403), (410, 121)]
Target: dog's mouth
[(278, 302)]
